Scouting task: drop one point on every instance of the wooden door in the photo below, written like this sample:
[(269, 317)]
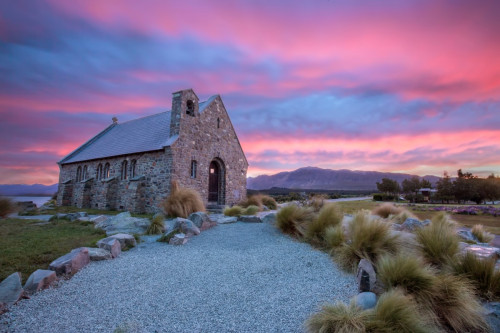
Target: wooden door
[(213, 182)]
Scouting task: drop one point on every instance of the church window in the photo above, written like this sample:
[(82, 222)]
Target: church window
[(79, 174), (106, 171), (194, 166), (124, 170), (218, 122), (190, 108), (84, 175), (132, 168), (98, 174)]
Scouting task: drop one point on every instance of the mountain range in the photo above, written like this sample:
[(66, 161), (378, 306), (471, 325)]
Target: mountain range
[(327, 179), (27, 190)]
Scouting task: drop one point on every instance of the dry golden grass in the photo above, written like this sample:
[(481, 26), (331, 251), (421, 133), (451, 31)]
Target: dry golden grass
[(234, 211), (182, 201), (292, 219), (317, 202), (338, 318), (482, 235), (329, 215), (402, 216), (386, 209), (269, 202), (334, 237), (251, 210), (157, 226)]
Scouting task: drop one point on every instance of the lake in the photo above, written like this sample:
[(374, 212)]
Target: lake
[(36, 200)]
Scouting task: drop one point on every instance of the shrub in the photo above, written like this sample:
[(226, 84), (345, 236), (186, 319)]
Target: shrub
[(182, 202), (383, 197), (317, 202), (251, 210), (7, 207), (395, 313), (482, 235), (369, 239), (386, 209), (334, 236), (408, 273), (481, 273), (292, 219), (269, 202), (439, 243), (338, 318), (330, 215), (253, 200), (157, 226), (234, 211)]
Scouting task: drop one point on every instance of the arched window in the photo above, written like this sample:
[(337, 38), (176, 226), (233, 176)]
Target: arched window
[(132, 168), (218, 122), (98, 174), (79, 174), (194, 166), (190, 107), (106, 171), (84, 175), (124, 170)]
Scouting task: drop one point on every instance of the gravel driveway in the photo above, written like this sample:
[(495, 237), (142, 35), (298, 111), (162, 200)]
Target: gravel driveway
[(232, 278)]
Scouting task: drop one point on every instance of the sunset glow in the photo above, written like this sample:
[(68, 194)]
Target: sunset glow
[(400, 86)]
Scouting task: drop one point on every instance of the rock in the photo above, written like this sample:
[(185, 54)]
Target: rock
[(411, 224), (124, 223), (39, 280), (11, 289), (98, 220), (3, 308), (269, 218), (397, 227), (72, 216), (71, 263), (25, 207), (202, 220), (223, 219), (187, 227), (110, 244), (467, 235), (97, 254), (83, 214), (366, 300), (170, 225), (84, 219), (366, 276), (126, 241), (250, 219), (178, 239), (492, 314), (484, 251)]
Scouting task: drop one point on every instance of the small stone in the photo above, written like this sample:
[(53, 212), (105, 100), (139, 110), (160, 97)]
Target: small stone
[(366, 272), (39, 280), (269, 218), (83, 214), (178, 239), (97, 254), (366, 300), (187, 227), (250, 219), (98, 219), (110, 244), (11, 289), (227, 220), (126, 241), (71, 263), (467, 235)]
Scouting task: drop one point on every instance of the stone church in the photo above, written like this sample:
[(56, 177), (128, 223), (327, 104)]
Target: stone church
[(130, 166)]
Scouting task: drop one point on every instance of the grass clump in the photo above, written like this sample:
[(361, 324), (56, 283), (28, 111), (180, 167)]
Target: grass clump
[(369, 239), (439, 243), (334, 237), (251, 210), (316, 202), (269, 202), (481, 273), (338, 318), (292, 219), (402, 217), (259, 200), (482, 235), (157, 225), (166, 237), (182, 202), (330, 215), (7, 207), (386, 209), (234, 211)]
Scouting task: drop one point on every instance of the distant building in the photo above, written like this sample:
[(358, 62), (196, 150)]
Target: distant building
[(427, 193), (130, 166)]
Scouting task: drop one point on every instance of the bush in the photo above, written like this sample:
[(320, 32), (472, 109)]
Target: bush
[(383, 197), (369, 239), (7, 207), (269, 202), (386, 209), (439, 242), (251, 210), (338, 318), (182, 202), (481, 273), (157, 225), (482, 235), (316, 202), (329, 216), (234, 211), (292, 219)]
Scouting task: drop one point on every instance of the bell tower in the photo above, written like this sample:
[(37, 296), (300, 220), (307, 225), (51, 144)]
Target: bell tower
[(184, 104)]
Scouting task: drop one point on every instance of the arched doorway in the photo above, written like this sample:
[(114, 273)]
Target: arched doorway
[(216, 186)]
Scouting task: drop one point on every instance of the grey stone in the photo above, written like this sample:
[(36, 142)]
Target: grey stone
[(170, 225), (250, 219), (178, 239), (97, 254), (187, 227), (39, 280), (110, 244), (126, 241), (227, 220), (492, 314), (98, 220), (25, 207), (124, 223), (11, 289), (71, 263), (201, 219), (366, 276), (411, 224), (84, 219), (72, 216), (3, 308), (483, 251), (467, 235), (366, 300), (269, 218)]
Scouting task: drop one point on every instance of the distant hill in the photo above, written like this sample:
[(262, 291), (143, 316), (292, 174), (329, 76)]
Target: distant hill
[(27, 190), (326, 179)]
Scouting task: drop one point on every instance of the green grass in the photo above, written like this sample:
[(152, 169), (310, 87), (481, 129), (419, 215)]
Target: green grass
[(26, 245)]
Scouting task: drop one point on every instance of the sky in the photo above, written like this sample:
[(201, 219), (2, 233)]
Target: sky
[(399, 86)]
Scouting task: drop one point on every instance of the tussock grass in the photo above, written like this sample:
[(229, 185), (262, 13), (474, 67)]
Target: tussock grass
[(330, 215), (386, 209), (165, 238), (269, 202), (316, 202), (157, 225), (182, 201), (369, 239), (234, 211), (402, 217), (292, 219), (259, 200), (338, 318), (481, 273), (482, 235), (251, 210), (439, 242), (7, 207), (334, 237)]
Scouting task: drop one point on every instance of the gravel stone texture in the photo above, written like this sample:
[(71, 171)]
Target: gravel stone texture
[(240, 277)]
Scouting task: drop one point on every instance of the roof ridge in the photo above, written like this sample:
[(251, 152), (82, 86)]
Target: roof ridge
[(151, 115)]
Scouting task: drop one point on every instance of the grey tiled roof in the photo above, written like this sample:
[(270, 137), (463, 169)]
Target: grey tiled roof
[(134, 136)]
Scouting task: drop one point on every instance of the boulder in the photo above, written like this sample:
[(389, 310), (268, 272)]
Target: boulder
[(467, 235), (84, 219), (411, 224), (11, 289), (98, 220), (492, 314), (126, 241), (250, 219), (366, 300), (3, 308), (82, 214), (97, 254), (39, 280), (223, 219), (483, 251), (71, 263), (110, 244), (187, 227), (24, 207), (269, 218), (366, 276), (178, 239), (170, 225), (202, 220), (124, 223)]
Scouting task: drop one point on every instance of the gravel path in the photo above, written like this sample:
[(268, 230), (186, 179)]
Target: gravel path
[(232, 278)]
